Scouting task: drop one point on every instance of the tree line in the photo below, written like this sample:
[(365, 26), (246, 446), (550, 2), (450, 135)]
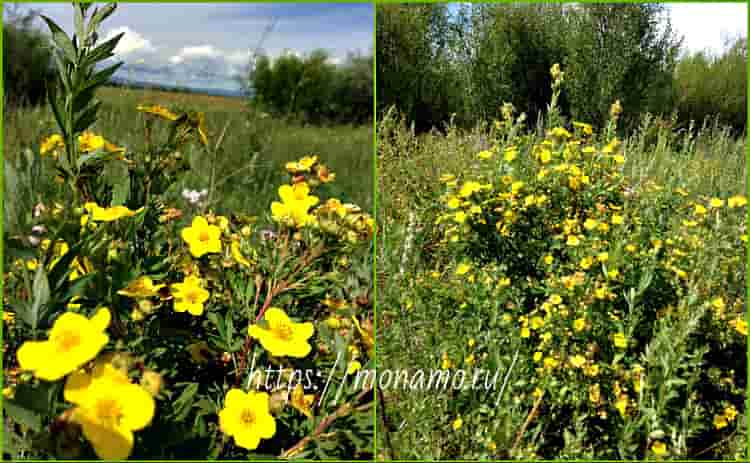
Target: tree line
[(440, 62)]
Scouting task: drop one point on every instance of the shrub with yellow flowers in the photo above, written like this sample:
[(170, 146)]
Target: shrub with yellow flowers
[(135, 329), (612, 307)]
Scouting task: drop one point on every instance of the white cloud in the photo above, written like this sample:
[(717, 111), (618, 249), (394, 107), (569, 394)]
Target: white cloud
[(130, 43), (706, 26), (197, 52)]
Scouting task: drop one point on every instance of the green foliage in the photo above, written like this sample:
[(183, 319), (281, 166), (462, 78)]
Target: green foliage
[(27, 60), (475, 249), (714, 86), (127, 319), (313, 88)]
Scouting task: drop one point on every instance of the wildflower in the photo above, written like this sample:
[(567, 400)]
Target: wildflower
[(159, 111), (151, 381), (510, 155), (237, 255), (51, 145), (282, 337), (730, 412), (594, 393), (740, 326), (246, 418), (659, 448), (472, 342), (720, 421), (620, 341), (140, 288), (579, 324), (294, 206), (457, 423), (9, 317), (463, 269), (550, 363), (73, 341), (548, 259), (9, 392), (109, 408), (353, 367), (108, 214), (189, 296), (699, 209), (201, 237), (469, 188), (718, 303), (617, 219), (555, 299), (525, 332), (303, 165), (585, 128), (537, 356), (537, 322), (615, 110), (88, 142), (716, 203), (301, 401), (736, 201), (573, 240), (485, 154), (621, 404), (578, 361)]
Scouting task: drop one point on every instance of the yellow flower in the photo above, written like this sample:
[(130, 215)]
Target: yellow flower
[(201, 237), (469, 188), (730, 413), (720, 421), (159, 111), (9, 392), (573, 241), (621, 404), (246, 418), (453, 202), (699, 209), (718, 303), (716, 203), (301, 401), (189, 296), (294, 206), (510, 154), (51, 145), (457, 423), (555, 299), (659, 448), (88, 142), (736, 201), (282, 337), (550, 363), (594, 393), (353, 367), (108, 214), (109, 408), (303, 165), (525, 332), (578, 361), (545, 156), (537, 356), (548, 259), (585, 128), (579, 324), (602, 257), (9, 317), (740, 326), (463, 269), (617, 219), (73, 341), (537, 322), (141, 287), (486, 154), (620, 341), (237, 255)]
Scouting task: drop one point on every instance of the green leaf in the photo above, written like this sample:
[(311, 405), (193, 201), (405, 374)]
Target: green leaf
[(184, 403), (80, 31), (117, 176), (22, 415), (57, 113), (86, 118), (41, 292), (100, 15), (104, 50), (89, 157), (62, 40)]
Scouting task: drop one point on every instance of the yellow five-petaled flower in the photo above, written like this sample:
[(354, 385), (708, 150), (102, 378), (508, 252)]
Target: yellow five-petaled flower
[(73, 341), (246, 417), (201, 237), (282, 337), (189, 296)]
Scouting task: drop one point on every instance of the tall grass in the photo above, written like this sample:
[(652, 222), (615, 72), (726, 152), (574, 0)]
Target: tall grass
[(251, 160)]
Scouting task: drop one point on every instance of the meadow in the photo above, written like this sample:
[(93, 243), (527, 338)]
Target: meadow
[(253, 152), (602, 275), (184, 276)]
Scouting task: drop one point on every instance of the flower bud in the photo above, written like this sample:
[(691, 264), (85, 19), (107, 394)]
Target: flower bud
[(152, 382)]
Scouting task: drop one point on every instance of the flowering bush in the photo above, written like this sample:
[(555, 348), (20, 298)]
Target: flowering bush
[(133, 328), (613, 306)]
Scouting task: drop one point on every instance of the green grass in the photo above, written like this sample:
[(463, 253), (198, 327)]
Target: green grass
[(248, 168), (425, 312)]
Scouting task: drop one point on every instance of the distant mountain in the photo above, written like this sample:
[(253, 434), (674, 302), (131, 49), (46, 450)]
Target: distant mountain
[(161, 85)]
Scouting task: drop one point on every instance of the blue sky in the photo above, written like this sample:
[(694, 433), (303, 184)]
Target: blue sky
[(205, 44)]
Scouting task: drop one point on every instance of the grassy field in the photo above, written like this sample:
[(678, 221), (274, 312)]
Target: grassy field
[(254, 149), (646, 362)]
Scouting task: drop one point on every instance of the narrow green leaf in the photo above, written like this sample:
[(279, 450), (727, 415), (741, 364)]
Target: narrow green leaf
[(101, 77), (86, 118), (80, 32), (104, 50), (22, 415), (41, 293), (62, 40)]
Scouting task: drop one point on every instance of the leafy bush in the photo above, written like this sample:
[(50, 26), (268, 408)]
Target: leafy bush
[(135, 328), (602, 279), (27, 60), (714, 86), (313, 88)]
